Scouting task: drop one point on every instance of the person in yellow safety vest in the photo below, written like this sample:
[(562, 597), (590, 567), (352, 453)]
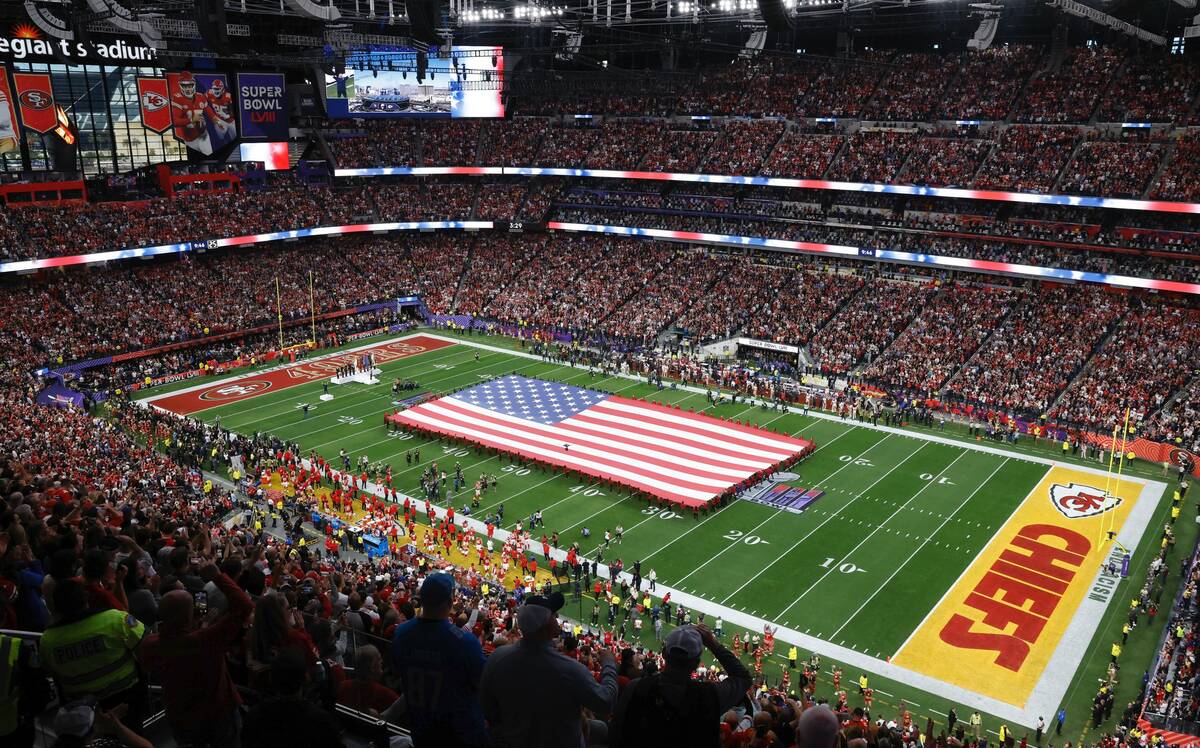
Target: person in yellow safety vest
[(1116, 652), (1174, 513), (91, 654), (862, 683), (208, 486), (1125, 629), (793, 656), (23, 692), (1003, 734)]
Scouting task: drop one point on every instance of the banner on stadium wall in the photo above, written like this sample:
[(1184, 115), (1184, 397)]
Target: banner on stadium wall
[(261, 106), (201, 110), (768, 345), (154, 103), (59, 396), (10, 134), (1159, 452), (35, 98)]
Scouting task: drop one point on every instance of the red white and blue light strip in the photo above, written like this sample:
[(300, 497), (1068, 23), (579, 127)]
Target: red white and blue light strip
[(696, 237), (1077, 201), (885, 255), (28, 266)]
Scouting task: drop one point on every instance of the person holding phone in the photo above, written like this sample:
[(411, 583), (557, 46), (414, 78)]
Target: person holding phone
[(189, 660)]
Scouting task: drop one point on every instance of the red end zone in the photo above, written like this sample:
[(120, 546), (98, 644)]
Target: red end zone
[(233, 390)]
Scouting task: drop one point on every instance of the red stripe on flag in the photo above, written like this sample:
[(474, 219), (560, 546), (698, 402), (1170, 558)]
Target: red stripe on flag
[(406, 417), (557, 439)]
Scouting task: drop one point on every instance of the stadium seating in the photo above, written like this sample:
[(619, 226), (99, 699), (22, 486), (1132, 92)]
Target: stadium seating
[(954, 322), (1139, 366)]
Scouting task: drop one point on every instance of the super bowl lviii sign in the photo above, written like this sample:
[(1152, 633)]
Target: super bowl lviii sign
[(261, 110)]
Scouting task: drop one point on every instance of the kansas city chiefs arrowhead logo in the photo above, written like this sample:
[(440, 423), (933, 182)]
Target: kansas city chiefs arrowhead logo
[(1077, 502), (152, 102)]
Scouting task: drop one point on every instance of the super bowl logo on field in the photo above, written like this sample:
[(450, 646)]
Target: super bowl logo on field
[(237, 390), (1075, 501)]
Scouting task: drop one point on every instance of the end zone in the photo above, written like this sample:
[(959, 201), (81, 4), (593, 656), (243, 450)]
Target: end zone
[(210, 395), (1016, 624)]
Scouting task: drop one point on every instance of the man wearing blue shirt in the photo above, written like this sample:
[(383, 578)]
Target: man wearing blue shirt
[(440, 666)]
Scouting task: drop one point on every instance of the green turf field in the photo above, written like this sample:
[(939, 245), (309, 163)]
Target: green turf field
[(903, 517)]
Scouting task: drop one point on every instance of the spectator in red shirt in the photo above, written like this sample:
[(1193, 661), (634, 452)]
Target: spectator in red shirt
[(96, 575), (189, 661), (364, 691)]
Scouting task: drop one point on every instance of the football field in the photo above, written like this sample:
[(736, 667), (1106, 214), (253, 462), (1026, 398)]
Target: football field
[(959, 571)]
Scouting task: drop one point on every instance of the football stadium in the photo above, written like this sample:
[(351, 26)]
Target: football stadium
[(492, 374)]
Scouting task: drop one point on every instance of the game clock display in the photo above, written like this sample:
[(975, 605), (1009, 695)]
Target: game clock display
[(520, 227)]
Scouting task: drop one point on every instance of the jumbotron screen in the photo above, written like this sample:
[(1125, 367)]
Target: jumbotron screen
[(466, 83)]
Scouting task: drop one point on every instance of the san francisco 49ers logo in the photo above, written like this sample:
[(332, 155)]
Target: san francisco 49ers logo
[(1076, 501), (35, 99), (152, 101), (237, 390)]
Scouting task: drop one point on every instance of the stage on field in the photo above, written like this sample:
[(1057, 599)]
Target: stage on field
[(683, 457)]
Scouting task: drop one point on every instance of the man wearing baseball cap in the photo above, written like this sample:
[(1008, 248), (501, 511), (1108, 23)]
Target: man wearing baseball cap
[(669, 708), (534, 695), (439, 665)]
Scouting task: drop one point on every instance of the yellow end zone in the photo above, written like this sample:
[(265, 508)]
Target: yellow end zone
[(996, 629)]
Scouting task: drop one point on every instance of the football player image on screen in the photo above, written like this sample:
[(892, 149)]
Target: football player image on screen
[(190, 112), (8, 131), (220, 103)]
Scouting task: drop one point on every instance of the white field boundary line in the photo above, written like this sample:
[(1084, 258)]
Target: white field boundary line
[(313, 359), (449, 349), (918, 549), (878, 526), (679, 386)]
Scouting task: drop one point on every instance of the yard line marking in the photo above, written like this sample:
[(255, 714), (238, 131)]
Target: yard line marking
[(772, 516), (365, 401), (722, 509), (871, 534), (403, 363), (818, 527), (950, 589)]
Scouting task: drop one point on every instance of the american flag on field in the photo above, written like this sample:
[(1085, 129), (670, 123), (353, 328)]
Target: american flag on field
[(683, 457)]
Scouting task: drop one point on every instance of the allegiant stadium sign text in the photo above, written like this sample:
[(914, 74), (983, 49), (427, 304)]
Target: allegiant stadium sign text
[(118, 51)]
